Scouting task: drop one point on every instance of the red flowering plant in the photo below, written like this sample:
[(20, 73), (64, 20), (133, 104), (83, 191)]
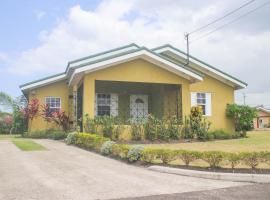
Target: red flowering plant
[(31, 111), (46, 113), (61, 119)]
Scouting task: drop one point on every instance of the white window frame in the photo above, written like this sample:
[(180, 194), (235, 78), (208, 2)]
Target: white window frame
[(55, 107), (208, 102)]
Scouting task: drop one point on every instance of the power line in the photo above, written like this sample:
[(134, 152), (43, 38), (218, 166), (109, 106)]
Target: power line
[(238, 18), (218, 19)]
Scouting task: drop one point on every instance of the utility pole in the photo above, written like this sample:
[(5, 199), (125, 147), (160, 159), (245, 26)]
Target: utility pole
[(244, 96), (187, 39)]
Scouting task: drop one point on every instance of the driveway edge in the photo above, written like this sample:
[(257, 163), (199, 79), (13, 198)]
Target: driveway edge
[(251, 178)]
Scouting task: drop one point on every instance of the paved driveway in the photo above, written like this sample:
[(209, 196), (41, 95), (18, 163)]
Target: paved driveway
[(67, 172)]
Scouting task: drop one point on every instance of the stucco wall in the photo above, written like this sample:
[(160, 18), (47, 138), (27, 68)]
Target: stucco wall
[(59, 89), (222, 95), (265, 117)]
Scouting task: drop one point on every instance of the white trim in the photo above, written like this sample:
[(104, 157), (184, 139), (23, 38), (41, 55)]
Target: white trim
[(263, 109), (140, 54), (75, 64), (44, 82), (202, 65), (60, 107)]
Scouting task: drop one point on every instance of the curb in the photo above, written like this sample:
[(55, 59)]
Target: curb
[(251, 178)]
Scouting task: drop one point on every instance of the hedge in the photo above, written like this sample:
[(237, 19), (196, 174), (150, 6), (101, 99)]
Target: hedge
[(166, 156)]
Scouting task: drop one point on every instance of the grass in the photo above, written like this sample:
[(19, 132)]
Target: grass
[(255, 141), (28, 145), (7, 137)]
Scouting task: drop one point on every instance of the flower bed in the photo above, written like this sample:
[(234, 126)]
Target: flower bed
[(135, 153)]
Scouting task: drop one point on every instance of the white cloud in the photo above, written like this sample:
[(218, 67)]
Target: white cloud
[(244, 54), (39, 14)]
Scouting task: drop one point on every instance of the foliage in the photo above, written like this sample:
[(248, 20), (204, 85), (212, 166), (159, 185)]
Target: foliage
[(71, 137), (90, 141), (31, 111), (198, 124), (120, 150), (19, 124), (136, 131), (186, 132), (162, 131), (106, 148), (173, 128), (90, 125), (116, 132), (45, 113), (221, 135), (188, 156), (61, 119), (6, 124), (134, 154), (166, 155), (213, 158), (242, 116), (150, 128), (251, 159), (234, 159), (149, 155), (47, 134)]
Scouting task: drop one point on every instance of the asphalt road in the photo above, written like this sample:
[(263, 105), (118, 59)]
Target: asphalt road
[(249, 192)]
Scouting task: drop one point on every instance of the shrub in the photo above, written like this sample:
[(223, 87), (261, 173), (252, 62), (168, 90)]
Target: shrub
[(61, 119), (71, 137), (251, 159), (120, 150), (213, 158), (134, 154), (89, 141), (136, 131), (150, 128), (117, 132), (173, 128), (107, 123), (48, 134), (243, 117), (234, 159), (186, 132), (166, 155), (220, 134), (106, 148), (90, 125), (149, 155), (188, 156), (31, 111)]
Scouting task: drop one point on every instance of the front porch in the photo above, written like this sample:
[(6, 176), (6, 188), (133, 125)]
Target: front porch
[(133, 101)]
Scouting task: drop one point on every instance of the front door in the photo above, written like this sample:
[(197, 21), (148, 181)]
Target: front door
[(138, 107)]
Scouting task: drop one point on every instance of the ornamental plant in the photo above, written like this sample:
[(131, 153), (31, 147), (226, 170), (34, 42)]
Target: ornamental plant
[(242, 116), (61, 119), (31, 111)]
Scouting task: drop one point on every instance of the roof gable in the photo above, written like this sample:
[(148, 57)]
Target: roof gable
[(170, 51)]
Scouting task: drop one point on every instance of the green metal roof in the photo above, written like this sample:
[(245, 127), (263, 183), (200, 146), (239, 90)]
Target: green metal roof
[(180, 51)]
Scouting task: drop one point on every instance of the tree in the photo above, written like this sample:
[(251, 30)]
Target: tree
[(242, 116)]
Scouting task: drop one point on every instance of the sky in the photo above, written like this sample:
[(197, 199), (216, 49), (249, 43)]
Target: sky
[(38, 38)]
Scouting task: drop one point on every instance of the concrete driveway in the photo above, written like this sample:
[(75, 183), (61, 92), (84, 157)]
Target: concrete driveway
[(67, 172)]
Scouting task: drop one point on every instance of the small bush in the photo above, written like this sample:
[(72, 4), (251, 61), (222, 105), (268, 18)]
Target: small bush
[(106, 148), (219, 135), (149, 155), (120, 150), (89, 141), (188, 156), (234, 159), (251, 159), (162, 131), (71, 137), (213, 158), (134, 154), (136, 132), (166, 155), (150, 128)]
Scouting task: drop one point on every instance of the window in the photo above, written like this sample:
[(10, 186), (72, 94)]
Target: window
[(106, 104), (203, 100), (54, 103), (103, 104)]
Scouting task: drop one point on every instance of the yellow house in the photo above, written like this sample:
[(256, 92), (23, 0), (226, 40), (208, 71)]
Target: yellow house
[(132, 81)]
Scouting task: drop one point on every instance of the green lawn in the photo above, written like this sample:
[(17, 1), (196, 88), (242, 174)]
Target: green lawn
[(256, 141), (28, 145), (7, 137)]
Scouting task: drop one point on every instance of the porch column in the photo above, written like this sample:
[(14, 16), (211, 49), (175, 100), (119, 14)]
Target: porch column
[(185, 100), (89, 96)]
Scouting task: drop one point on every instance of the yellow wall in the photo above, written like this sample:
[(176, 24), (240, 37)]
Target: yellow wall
[(59, 89), (142, 71), (134, 71), (221, 95)]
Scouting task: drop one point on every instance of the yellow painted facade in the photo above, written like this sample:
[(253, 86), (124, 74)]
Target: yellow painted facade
[(141, 71)]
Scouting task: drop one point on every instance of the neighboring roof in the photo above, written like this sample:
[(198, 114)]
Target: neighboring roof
[(178, 52), (123, 54), (263, 109)]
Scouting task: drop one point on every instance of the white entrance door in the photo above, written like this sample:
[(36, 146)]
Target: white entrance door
[(138, 107)]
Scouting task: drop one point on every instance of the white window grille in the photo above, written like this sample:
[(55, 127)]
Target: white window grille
[(54, 103), (106, 104)]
